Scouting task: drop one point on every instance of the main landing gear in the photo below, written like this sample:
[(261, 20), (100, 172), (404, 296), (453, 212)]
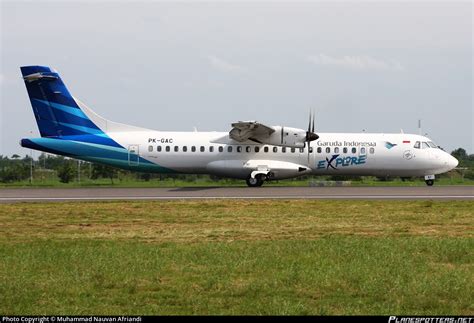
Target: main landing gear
[(429, 180), (258, 178), (256, 181)]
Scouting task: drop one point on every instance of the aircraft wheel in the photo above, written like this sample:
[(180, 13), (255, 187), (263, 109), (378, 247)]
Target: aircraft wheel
[(429, 182), (254, 182)]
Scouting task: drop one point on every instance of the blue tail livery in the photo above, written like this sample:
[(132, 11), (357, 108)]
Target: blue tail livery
[(56, 111), (70, 128)]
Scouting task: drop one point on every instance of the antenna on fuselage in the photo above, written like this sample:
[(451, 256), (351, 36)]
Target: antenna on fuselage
[(419, 127)]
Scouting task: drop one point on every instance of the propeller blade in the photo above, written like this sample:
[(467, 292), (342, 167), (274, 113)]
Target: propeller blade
[(310, 135), (309, 122)]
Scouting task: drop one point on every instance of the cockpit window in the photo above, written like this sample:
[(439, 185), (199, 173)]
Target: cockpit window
[(425, 145), (417, 145), (432, 144)]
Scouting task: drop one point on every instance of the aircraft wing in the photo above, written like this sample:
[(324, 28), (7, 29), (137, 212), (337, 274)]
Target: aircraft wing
[(250, 130)]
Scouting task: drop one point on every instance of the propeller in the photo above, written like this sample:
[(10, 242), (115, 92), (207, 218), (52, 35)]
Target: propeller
[(310, 135)]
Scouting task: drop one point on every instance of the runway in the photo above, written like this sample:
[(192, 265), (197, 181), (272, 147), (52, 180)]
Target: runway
[(195, 193)]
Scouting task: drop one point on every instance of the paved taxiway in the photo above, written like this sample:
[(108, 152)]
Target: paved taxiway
[(359, 193)]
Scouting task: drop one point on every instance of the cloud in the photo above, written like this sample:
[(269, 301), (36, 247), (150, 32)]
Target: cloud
[(224, 66), (355, 62)]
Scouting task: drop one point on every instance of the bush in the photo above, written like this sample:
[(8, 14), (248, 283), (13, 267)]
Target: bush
[(66, 172), (103, 171)]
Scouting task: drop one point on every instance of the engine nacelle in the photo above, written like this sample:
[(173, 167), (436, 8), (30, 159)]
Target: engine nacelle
[(286, 136)]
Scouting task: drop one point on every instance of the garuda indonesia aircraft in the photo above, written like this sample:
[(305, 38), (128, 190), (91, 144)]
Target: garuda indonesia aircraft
[(250, 151)]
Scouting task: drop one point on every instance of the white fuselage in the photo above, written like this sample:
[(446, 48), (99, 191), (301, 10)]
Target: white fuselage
[(332, 154)]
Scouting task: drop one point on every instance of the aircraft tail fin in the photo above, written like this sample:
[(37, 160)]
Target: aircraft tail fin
[(57, 113)]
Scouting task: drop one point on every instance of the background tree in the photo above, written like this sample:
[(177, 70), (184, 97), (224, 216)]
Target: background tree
[(460, 154), (13, 170), (66, 172), (103, 171)]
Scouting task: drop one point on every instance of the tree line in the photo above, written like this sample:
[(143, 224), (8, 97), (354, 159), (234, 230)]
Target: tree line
[(53, 167), (16, 168)]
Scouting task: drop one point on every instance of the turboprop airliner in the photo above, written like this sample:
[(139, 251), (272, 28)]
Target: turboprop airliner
[(251, 151)]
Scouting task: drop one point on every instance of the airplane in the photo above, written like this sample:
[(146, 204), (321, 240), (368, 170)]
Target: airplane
[(251, 151)]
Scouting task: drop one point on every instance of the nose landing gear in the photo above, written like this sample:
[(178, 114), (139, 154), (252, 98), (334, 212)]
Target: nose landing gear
[(429, 180)]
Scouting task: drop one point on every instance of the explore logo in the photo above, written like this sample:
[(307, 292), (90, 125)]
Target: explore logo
[(337, 161)]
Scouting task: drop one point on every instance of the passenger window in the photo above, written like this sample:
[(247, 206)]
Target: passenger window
[(150, 148), (221, 149), (239, 149), (354, 150), (202, 149), (362, 151), (229, 149), (176, 148), (168, 148), (185, 148), (265, 149), (211, 149), (247, 149), (336, 150), (328, 150), (417, 145), (319, 150), (193, 149), (275, 149), (310, 150), (372, 150), (283, 149), (257, 149), (425, 145), (301, 150), (158, 148), (344, 150), (293, 150)]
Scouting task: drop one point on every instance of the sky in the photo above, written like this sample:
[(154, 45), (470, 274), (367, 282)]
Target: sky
[(176, 66)]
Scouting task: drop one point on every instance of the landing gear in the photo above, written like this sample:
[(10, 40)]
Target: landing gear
[(256, 181), (429, 180)]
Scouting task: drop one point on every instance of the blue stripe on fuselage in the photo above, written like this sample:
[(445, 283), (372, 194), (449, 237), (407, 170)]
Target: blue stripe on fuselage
[(118, 157)]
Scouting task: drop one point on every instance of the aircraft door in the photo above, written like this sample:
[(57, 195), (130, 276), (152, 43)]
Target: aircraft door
[(133, 155)]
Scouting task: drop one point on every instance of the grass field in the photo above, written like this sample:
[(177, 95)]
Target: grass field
[(237, 257)]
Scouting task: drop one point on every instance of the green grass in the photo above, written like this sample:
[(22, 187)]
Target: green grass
[(237, 257)]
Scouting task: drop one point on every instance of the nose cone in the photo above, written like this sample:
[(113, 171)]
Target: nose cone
[(452, 162), (442, 162)]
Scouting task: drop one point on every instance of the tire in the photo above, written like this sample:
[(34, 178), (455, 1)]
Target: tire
[(254, 182), (429, 182)]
